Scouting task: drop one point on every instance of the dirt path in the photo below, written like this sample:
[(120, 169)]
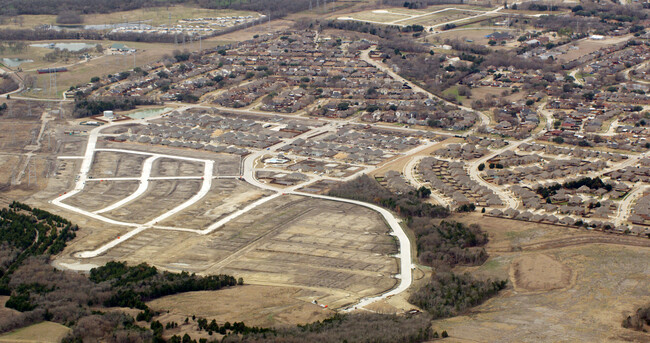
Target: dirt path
[(579, 240)]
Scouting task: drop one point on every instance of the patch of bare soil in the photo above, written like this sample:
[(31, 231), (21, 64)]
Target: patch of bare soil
[(539, 272)]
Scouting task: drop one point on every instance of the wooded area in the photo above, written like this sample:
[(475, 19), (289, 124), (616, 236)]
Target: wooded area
[(90, 107), (449, 294), (364, 327)]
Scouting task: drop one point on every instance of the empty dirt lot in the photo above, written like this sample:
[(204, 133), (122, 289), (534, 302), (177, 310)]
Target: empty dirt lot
[(225, 197), (97, 195), (172, 167), (576, 292), (160, 197), (116, 164)]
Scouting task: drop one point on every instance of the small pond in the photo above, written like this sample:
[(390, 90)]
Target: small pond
[(14, 62), (150, 112), (65, 46)]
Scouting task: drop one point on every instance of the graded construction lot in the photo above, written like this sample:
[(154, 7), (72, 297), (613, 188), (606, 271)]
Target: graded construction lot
[(571, 292), (97, 195), (225, 196), (224, 164), (160, 197), (165, 166), (116, 164), (340, 250)]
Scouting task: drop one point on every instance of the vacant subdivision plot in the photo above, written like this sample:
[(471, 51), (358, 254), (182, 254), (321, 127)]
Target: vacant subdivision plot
[(72, 145), (165, 166), (224, 164), (341, 250), (160, 197), (315, 244), (97, 195), (225, 196), (116, 164)]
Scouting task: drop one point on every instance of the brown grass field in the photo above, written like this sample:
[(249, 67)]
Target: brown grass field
[(43, 332), (564, 290), (253, 304)]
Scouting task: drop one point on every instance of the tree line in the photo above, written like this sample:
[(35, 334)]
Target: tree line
[(134, 285), (90, 107), (361, 327), (47, 34), (592, 183), (277, 8)]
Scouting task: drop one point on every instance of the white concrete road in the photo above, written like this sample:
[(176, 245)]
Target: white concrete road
[(409, 174), (144, 184), (625, 207)]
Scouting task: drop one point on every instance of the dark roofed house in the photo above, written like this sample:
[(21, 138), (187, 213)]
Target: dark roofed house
[(499, 36)]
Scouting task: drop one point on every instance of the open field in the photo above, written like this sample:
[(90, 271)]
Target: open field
[(44, 332), (382, 16), (569, 292), (255, 305), (432, 15), (151, 16), (437, 18), (485, 92), (586, 46), (539, 272)]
